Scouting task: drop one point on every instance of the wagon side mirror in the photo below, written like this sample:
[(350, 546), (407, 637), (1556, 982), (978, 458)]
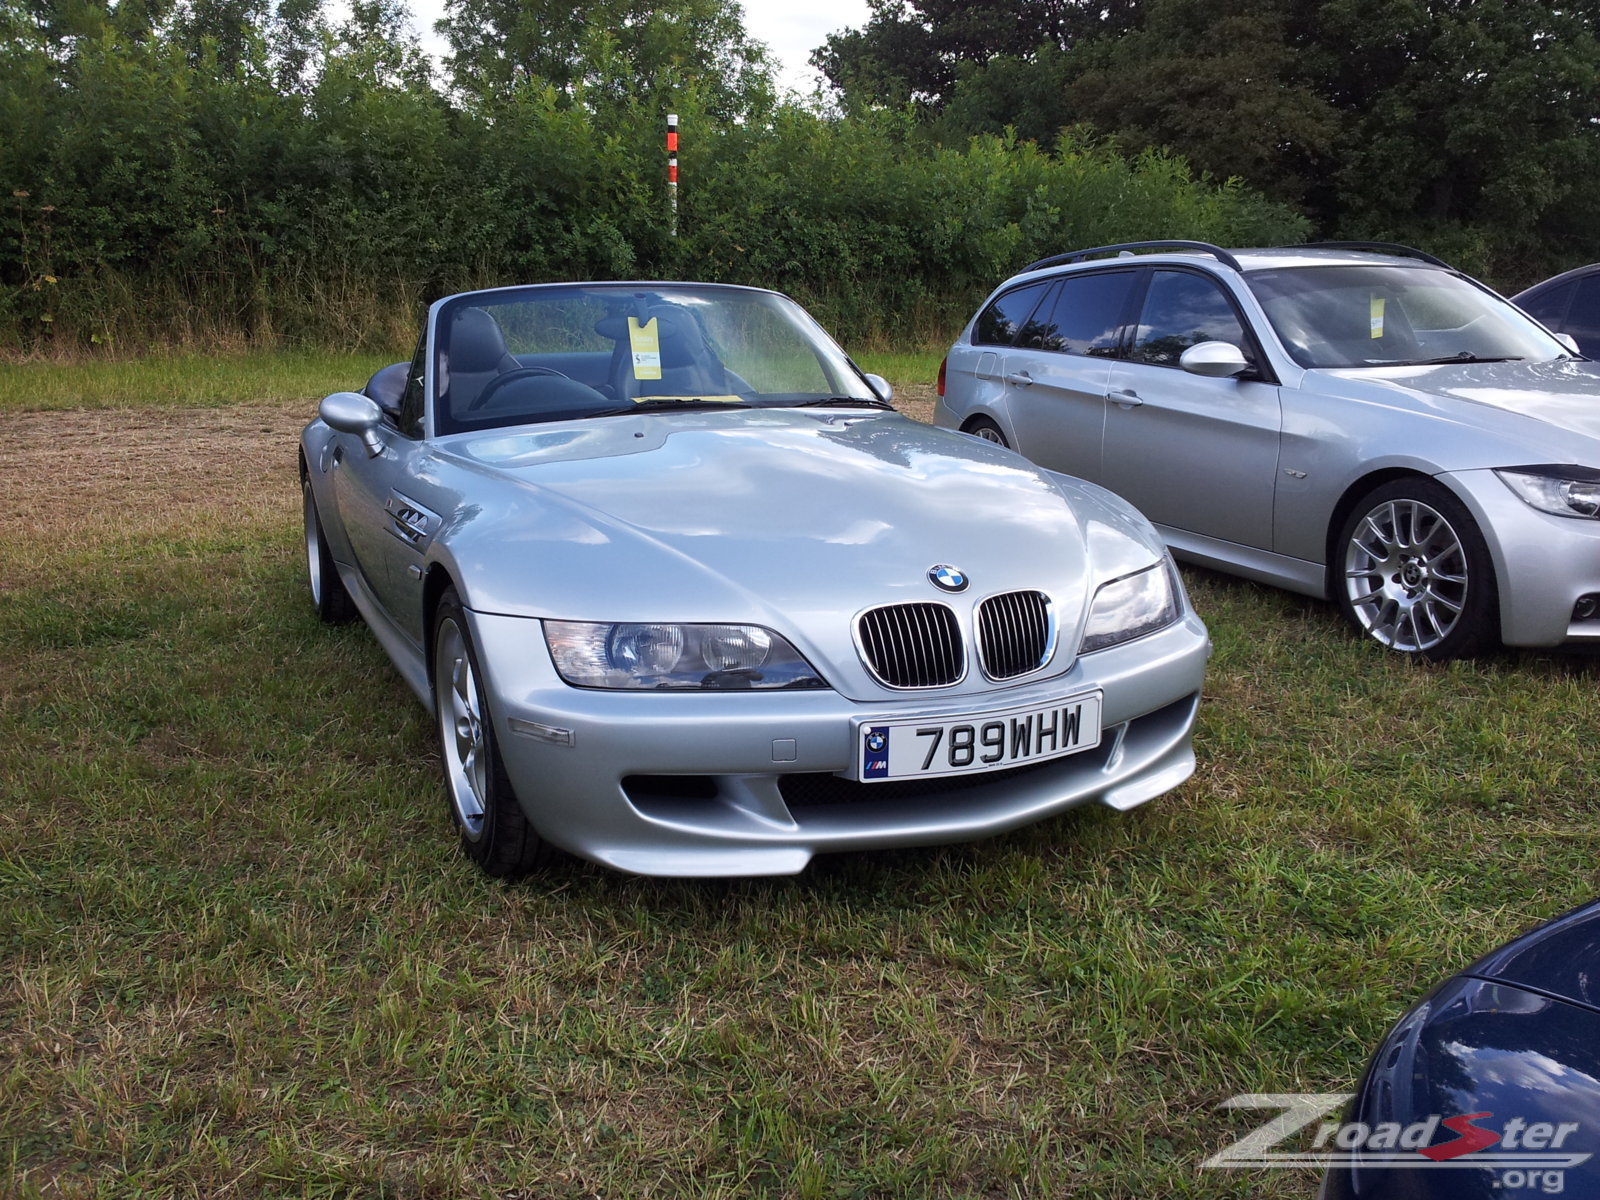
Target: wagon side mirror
[(1214, 360), (351, 412), (881, 388)]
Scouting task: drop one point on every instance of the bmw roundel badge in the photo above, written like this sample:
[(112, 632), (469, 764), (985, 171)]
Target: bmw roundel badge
[(947, 578)]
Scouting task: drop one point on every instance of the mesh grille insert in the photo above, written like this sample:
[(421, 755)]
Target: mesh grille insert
[(1014, 633), (912, 645)]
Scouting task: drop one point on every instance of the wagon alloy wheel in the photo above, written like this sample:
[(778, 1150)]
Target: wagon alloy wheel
[(986, 430), (495, 832), (328, 595), (1415, 573)]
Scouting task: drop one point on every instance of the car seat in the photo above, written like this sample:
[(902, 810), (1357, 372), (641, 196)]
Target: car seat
[(689, 366), (474, 353)]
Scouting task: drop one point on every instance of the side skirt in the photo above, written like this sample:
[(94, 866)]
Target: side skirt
[(402, 651), (1279, 570)]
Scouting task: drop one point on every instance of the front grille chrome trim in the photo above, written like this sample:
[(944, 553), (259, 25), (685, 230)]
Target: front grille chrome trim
[(912, 647), (1016, 634)]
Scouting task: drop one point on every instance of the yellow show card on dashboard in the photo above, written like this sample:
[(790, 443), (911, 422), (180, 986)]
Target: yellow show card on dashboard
[(645, 342)]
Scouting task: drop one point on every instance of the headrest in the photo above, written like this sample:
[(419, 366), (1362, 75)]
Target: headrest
[(682, 341), (476, 343)]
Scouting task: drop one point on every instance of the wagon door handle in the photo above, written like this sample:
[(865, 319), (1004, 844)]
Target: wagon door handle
[(1126, 399), (1020, 378)]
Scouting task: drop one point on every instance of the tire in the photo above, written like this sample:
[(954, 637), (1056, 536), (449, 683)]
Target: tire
[(1411, 570), (328, 595), (982, 427), (495, 832)]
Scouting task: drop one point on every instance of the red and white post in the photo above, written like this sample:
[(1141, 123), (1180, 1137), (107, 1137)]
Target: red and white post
[(672, 169)]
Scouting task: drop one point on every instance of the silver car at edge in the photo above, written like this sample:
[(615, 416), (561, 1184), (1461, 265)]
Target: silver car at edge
[(1354, 421), (686, 595)]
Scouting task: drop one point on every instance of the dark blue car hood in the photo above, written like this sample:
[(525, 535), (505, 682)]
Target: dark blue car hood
[(1560, 959)]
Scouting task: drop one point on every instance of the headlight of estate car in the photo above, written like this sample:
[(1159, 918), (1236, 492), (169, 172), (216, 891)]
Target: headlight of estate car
[(656, 657), (1563, 491), (1131, 607)]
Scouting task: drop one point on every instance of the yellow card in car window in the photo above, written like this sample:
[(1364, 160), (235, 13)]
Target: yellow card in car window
[(645, 342), (1377, 316)]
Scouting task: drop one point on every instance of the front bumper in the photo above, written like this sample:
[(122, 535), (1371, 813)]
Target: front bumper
[(747, 783), (1543, 563)]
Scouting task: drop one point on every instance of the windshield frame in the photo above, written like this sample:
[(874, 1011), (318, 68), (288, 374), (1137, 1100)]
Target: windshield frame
[(845, 382), (1515, 335)]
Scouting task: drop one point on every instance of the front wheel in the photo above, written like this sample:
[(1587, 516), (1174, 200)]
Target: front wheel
[(1414, 574), (495, 832), (328, 594)]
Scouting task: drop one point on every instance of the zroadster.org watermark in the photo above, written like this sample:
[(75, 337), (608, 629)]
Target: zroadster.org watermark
[(1526, 1155)]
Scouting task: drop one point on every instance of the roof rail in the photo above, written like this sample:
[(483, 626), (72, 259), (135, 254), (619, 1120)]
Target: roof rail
[(1378, 247), (1216, 252)]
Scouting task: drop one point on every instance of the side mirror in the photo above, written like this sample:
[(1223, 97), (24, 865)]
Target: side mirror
[(351, 412), (1570, 342), (881, 388), (1214, 360)]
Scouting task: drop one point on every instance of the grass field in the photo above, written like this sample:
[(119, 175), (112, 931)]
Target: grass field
[(242, 957)]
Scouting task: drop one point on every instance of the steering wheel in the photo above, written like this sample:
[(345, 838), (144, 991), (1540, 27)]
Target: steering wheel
[(500, 381)]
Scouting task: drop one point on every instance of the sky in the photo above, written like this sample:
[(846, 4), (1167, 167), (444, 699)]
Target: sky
[(792, 29)]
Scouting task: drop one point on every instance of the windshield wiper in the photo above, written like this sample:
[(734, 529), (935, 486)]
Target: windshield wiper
[(1461, 356), (842, 402), (664, 404)]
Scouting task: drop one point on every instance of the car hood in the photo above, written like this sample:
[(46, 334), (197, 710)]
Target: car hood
[(796, 519), (1560, 958), (1539, 406)]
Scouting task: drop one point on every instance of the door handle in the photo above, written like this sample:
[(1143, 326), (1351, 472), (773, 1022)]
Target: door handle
[(1020, 378), (1126, 399), (338, 455)]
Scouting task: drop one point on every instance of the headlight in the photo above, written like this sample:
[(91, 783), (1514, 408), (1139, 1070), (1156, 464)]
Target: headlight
[(1131, 607), (1563, 491), (656, 657)]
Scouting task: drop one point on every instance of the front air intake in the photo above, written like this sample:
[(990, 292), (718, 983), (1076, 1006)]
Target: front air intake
[(1016, 634), (912, 645)]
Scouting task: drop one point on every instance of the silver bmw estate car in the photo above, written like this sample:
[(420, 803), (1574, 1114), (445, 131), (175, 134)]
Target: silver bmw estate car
[(1354, 421), (687, 597)]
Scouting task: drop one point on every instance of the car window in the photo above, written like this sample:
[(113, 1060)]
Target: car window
[(1004, 318), (410, 420), (1183, 309), (1550, 306), (1378, 315), (1085, 314), (1583, 319), (518, 356)]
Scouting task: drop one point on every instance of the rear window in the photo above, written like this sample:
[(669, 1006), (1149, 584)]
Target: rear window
[(1005, 317), (1085, 314)]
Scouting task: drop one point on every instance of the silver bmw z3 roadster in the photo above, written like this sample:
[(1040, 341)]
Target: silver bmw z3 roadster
[(688, 597)]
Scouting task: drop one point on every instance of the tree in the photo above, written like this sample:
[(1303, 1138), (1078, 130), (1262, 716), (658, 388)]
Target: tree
[(914, 49), (609, 51), (1218, 81)]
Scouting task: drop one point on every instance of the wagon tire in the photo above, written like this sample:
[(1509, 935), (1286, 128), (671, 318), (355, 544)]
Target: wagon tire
[(987, 430), (495, 832), (1412, 571), (328, 595)]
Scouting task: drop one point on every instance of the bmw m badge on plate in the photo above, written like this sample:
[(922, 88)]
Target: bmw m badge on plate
[(991, 742)]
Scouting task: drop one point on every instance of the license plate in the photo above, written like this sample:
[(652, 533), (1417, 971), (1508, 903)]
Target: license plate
[(965, 745)]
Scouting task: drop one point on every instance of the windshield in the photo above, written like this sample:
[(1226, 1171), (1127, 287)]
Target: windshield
[(1379, 315), (558, 352)]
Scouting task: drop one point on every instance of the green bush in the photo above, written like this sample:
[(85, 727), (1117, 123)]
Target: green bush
[(159, 194)]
